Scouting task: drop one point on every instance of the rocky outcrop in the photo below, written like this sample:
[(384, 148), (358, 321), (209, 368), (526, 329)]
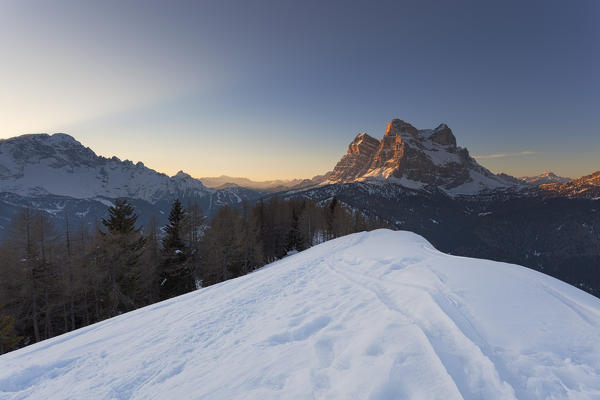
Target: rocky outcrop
[(444, 136), (357, 160), (417, 159)]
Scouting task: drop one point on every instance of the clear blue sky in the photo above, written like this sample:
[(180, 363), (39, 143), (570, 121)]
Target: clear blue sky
[(277, 89)]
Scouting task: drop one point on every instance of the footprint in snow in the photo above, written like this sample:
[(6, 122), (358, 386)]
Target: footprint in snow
[(303, 332)]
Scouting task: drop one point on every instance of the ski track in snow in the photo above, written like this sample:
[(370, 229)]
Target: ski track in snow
[(378, 315)]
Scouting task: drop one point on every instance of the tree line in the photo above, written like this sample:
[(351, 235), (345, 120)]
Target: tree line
[(54, 282)]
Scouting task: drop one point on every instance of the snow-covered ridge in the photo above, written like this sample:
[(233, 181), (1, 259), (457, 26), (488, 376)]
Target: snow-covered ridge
[(379, 315), (33, 165)]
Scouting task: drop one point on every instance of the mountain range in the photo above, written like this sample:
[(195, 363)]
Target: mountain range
[(57, 174)]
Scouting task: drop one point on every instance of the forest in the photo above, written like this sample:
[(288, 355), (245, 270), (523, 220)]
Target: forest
[(53, 282)]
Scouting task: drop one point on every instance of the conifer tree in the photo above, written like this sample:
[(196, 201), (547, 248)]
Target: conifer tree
[(296, 239), (174, 273), (121, 218), (121, 248)]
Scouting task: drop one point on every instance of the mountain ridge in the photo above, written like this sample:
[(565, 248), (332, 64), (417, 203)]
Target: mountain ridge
[(545, 177), (58, 164)]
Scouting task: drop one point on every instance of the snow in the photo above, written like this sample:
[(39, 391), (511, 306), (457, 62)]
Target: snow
[(379, 315), (477, 183), (441, 157), (40, 164)]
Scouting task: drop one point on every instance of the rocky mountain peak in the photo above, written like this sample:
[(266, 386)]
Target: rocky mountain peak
[(357, 160), (362, 143), (64, 139), (182, 175), (444, 136), (397, 127), (416, 159)]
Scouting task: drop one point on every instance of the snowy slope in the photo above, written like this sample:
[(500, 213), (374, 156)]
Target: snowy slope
[(378, 315)]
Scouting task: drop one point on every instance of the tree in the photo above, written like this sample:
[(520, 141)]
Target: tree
[(8, 339), (193, 229), (121, 248), (223, 253), (174, 273), (296, 239)]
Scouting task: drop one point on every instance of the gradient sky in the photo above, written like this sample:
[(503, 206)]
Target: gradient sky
[(277, 89)]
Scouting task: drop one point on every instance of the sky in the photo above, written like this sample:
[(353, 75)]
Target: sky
[(278, 89)]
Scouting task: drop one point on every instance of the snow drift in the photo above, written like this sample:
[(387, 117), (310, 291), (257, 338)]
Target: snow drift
[(379, 315)]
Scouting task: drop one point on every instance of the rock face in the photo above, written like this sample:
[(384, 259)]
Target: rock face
[(416, 159), (358, 159)]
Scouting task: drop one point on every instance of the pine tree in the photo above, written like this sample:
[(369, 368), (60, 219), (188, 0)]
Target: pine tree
[(174, 274), (121, 218), (121, 248), (296, 239)]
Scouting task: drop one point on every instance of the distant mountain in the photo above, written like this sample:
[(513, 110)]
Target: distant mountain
[(59, 175), (585, 187), (546, 177), (32, 165), (224, 181), (416, 159)]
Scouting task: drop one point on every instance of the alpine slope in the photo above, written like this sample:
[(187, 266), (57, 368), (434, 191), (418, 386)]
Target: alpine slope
[(373, 315)]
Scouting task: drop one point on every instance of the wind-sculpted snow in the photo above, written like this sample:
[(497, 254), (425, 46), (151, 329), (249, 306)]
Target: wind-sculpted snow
[(378, 315)]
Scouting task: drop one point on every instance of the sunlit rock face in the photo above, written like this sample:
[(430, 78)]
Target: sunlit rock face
[(417, 159), (357, 160)]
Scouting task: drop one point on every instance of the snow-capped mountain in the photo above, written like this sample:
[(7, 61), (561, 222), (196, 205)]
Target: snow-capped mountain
[(546, 177), (378, 315), (416, 159), (33, 165)]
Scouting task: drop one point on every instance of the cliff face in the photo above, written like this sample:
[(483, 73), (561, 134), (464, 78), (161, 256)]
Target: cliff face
[(357, 160), (415, 158)]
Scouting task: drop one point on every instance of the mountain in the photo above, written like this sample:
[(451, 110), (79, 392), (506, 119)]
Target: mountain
[(378, 315), (225, 181), (58, 164), (546, 177), (585, 187), (57, 174), (416, 159)]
